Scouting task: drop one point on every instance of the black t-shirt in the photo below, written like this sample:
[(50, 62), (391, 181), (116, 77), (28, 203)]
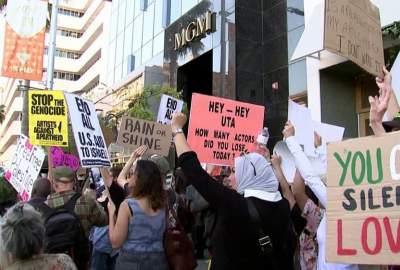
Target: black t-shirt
[(235, 242)]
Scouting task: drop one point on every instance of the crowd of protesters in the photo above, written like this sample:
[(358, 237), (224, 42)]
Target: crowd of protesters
[(242, 217)]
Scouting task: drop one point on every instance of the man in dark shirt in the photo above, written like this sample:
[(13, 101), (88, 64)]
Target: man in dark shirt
[(41, 189)]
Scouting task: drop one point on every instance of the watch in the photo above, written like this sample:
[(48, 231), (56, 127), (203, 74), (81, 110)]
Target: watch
[(176, 131)]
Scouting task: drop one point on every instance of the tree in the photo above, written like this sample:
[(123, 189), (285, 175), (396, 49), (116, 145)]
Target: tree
[(145, 104), (2, 113), (392, 31)]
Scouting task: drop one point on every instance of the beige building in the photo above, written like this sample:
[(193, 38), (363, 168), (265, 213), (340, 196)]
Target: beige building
[(81, 33)]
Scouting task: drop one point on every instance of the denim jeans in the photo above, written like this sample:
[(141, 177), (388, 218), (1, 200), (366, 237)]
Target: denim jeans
[(102, 261)]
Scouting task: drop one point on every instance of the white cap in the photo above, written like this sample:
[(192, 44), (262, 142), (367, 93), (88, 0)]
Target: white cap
[(263, 136)]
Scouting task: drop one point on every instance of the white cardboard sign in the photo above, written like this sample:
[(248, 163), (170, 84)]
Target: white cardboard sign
[(25, 167), (168, 106), (90, 143)]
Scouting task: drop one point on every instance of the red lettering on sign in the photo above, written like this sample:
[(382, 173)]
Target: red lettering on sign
[(340, 249), (378, 236)]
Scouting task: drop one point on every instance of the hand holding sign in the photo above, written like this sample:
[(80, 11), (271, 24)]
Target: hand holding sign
[(178, 121), (288, 131)]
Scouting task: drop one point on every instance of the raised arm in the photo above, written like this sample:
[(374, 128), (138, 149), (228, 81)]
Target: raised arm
[(213, 192), (299, 191), (287, 193), (106, 177), (303, 164), (379, 104), (122, 177)]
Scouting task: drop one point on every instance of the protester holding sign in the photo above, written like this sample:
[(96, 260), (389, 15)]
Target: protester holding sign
[(235, 239), (305, 168)]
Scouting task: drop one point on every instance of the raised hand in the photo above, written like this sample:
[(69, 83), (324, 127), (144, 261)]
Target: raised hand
[(288, 130)]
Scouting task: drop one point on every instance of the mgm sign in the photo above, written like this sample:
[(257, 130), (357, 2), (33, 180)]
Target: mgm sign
[(195, 30)]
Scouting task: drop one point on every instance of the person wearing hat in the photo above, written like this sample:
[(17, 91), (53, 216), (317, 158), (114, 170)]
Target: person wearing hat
[(261, 143), (87, 209)]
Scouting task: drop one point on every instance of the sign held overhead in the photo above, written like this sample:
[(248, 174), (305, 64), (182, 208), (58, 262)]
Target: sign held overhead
[(88, 136), (221, 129), (48, 118), (353, 30), (168, 106)]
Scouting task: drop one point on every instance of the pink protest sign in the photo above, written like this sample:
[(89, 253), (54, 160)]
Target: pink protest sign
[(63, 159), (221, 129)]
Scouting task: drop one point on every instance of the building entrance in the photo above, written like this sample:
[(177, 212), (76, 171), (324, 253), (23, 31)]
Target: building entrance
[(195, 77)]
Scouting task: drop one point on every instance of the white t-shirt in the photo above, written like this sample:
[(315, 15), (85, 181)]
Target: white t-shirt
[(322, 264)]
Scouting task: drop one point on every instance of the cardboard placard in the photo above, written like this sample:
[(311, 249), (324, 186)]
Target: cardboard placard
[(221, 129), (48, 118), (25, 167), (88, 136), (168, 106), (363, 225), (353, 30), (59, 158), (136, 132)]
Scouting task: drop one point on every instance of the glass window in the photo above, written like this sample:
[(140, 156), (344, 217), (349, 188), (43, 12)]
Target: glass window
[(113, 26), (137, 7), (295, 14), (293, 39), (158, 45), (120, 49), (118, 73), (158, 14), (111, 55), (114, 5), (147, 51), (128, 40), (125, 67), (175, 10), (148, 23), (121, 16), (297, 77), (130, 11), (138, 58), (187, 5), (137, 33)]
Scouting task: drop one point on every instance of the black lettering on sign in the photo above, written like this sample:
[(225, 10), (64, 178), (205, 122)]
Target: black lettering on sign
[(172, 104), (42, 99), (83, 107), (242, 111), (201, 132), (134, 126), (228, 121), (168, 114), (221, 155), (216, 107), (138, 139), (223, 135)]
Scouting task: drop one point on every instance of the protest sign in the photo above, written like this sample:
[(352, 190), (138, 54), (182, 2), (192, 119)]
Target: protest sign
[(353, 30), (168, 106), (48, 118), (328, 133), (59, 158), (89, 139), (287, 160), (136, 132), (25, 167), (221, 129), (363, 201), (300, 117)]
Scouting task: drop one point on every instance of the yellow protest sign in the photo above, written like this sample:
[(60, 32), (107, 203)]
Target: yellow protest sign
[(48, 118)]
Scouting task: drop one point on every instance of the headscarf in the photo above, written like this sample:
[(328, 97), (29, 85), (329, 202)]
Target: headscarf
[(253, 171)]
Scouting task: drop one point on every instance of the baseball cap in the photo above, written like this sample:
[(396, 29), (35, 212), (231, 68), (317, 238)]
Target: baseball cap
[(63, 174), (162, 164)]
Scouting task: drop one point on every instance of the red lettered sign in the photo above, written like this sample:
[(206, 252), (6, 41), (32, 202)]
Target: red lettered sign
[(221, 129)]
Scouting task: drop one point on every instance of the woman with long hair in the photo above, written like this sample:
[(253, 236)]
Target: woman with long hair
[(139, 228)]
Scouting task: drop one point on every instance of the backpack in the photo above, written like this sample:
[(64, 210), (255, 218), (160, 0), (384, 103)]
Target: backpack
[(64, 232)]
